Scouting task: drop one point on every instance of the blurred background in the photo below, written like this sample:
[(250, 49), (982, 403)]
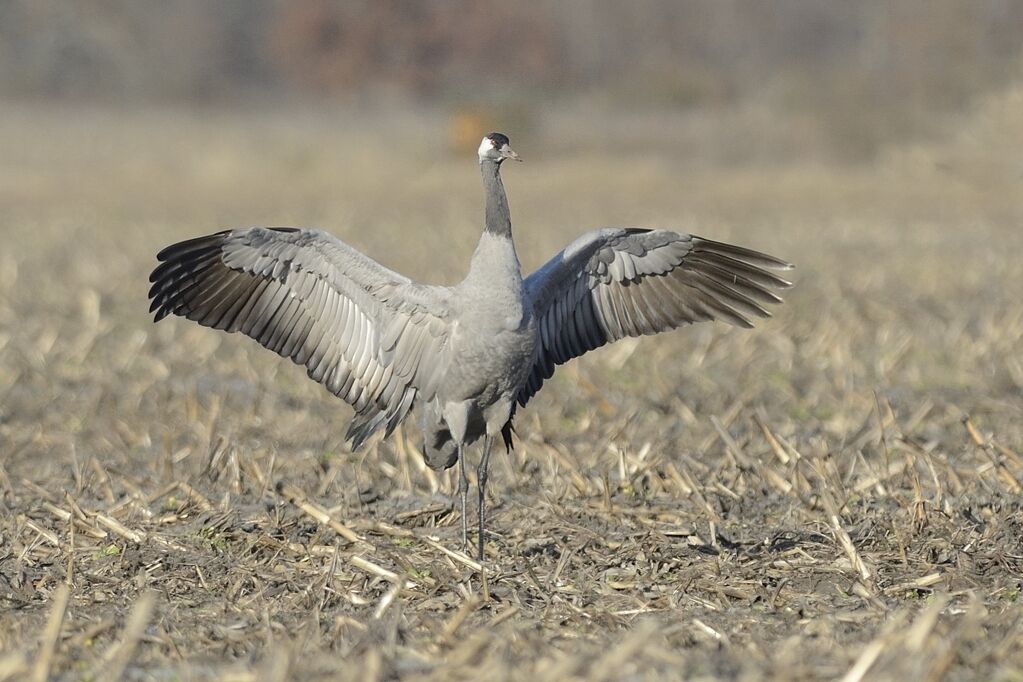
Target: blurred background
[(786, 78), (873, 143)]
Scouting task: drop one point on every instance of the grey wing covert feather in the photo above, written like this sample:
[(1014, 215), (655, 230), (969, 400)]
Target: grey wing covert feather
[(619, 282), (372, 337)]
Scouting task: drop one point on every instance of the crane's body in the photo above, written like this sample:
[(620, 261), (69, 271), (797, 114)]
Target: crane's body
[(465, 356), (494, 335)]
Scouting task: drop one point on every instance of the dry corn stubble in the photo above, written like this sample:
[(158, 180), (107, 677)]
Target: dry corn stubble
[(833, 494)]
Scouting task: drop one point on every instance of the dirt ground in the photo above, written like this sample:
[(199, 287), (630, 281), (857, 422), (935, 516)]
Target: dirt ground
[(835, 494)]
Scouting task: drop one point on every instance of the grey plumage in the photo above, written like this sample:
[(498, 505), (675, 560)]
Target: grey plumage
[(358, 328), (465, 356)]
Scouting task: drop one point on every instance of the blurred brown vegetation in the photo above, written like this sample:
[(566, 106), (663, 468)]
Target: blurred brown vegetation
[(422, 47), (870, 70)]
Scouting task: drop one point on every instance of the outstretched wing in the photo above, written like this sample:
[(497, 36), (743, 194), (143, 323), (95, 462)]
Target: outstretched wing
[(371, 336), (616, 282)]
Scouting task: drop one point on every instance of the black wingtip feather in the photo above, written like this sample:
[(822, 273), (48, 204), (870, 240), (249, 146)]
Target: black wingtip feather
[(180, 249), (180, 264)]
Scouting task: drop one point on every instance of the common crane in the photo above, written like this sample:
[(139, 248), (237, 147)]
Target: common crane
[(466, 356)]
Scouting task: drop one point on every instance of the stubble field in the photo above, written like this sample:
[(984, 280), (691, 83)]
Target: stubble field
[(835, 493)]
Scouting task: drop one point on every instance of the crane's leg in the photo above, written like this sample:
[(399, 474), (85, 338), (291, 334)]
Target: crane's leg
[(481, 489), (456, 416), (463, 490)]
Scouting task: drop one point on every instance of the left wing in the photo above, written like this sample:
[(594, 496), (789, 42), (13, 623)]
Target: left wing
[(618, 282)]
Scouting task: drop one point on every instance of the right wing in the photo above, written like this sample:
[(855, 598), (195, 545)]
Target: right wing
[(371, 336)]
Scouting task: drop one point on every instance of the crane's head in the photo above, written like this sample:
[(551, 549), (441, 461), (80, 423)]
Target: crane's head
[(494, 147)]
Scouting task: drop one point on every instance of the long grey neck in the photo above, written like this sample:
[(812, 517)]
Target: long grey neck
[(498, 217), (494, 269)]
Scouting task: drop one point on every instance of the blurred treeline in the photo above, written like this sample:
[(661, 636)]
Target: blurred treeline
[(898, 62)]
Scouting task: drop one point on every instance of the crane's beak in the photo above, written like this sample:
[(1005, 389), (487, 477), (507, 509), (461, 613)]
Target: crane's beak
[(509, 153)]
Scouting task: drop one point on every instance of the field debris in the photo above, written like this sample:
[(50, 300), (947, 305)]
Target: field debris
[(836, 496)]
